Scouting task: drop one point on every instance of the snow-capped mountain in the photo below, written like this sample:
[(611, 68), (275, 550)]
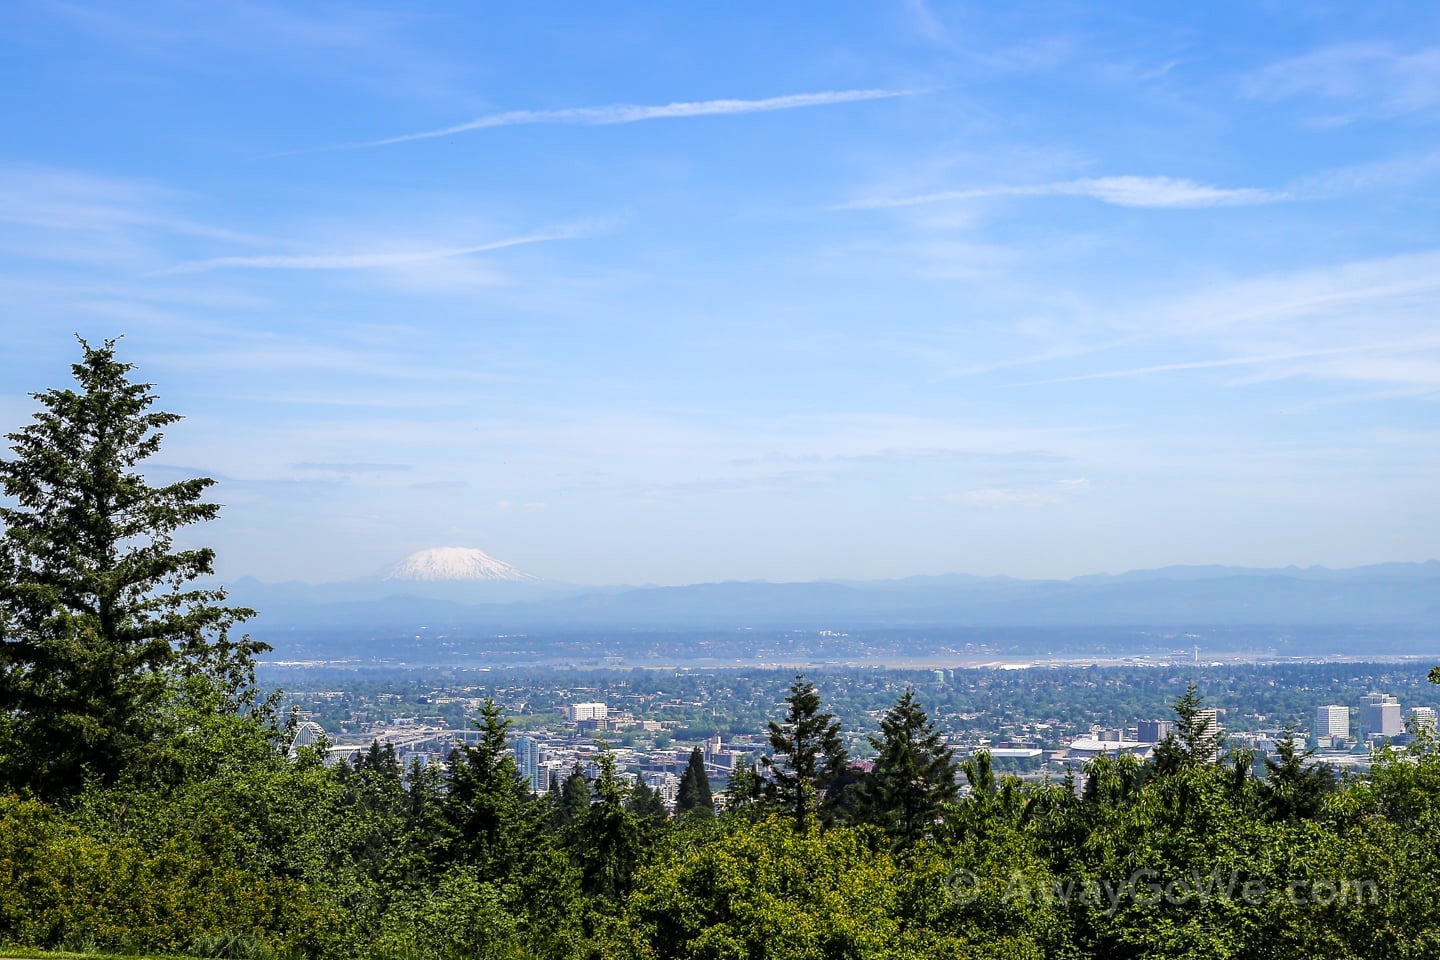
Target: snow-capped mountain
[(453, 563)]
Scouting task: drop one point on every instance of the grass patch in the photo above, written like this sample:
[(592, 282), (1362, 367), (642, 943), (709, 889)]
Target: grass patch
[(30, 953)]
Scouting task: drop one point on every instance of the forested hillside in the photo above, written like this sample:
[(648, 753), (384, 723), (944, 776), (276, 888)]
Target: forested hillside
[(235, 849)]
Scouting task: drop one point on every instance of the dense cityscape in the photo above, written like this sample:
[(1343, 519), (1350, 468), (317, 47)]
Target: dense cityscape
[(1034, 721)]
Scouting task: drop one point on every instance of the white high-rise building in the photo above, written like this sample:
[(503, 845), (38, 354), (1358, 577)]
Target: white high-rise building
[(586, 711), (1213, 715), (1422, 718), (1332, 721), (1380, 716)]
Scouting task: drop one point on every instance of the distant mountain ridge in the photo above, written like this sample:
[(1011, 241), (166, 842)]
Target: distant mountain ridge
[(1381, 594)]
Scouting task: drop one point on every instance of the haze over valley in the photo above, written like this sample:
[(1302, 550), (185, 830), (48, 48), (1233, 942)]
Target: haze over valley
[(471, 605)]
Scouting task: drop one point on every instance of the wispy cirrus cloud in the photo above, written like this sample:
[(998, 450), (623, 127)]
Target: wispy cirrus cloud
[(372, 260), (372, 48), (634, 113), (62, 201), (1402, 171), (1029, 495), (1122, 191), (352, 467), (1257, 360), (905, 455), (1368, 322), (1373, 78), (1160, 192)]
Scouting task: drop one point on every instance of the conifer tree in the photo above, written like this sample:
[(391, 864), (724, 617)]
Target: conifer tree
[(745, 791), (607, 839), (574, 795), (1193, 742), (488, 801), (646, 802), (694, 791), (806, 756), (1294, 789), (97, 618), (913, 779)]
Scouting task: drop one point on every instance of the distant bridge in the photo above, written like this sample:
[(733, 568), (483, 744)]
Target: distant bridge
[(425, 739)]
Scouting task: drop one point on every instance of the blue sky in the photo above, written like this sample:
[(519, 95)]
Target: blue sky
[(668, 293)]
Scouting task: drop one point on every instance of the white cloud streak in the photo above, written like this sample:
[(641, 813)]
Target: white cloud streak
[(1375, 78), (359, 261), (1177, 192), (634, 113), (1124, 191), (1030, 496), (1259, 360)]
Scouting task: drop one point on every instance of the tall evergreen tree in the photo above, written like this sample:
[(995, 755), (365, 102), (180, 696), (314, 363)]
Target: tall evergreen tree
[(913, 779), (694, 791), (488, 802), (646, 802), (574, 796), (1194, 742), (1294, 789), (607, 839), (806, 755), (745, 790), (372, 799), (96, 616)]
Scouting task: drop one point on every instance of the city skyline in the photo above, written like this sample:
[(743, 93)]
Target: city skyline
[(631, 296)]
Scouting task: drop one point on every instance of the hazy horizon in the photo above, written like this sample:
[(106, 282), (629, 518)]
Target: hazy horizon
[(637, 295), (384, 574)]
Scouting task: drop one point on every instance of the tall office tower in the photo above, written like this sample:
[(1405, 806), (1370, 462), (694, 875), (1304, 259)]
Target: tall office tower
[(1213, 715), (1332, 721), (527, 761), (1380, 715), (1153, 731), (1422, 718)]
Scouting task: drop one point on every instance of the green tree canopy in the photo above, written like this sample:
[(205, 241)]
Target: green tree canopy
[(1194, 741), (695, 787), (1294, 787), (806, 755), (97, 618), (608, 840), (574, 796), (646, 802), (913, 779), (488, 802)]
